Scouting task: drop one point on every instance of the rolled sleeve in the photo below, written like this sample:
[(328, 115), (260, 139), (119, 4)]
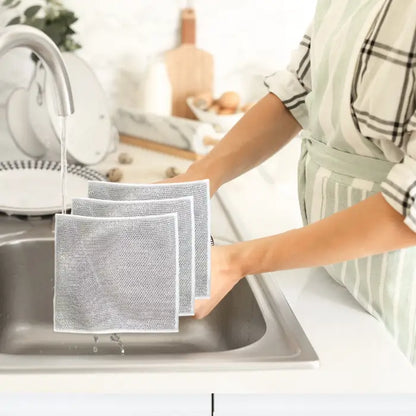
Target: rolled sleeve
[(293, 84), (399, 188)]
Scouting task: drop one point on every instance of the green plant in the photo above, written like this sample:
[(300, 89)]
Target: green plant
[(52, 18)]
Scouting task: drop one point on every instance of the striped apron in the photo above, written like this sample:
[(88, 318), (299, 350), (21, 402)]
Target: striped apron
[(330, 180)]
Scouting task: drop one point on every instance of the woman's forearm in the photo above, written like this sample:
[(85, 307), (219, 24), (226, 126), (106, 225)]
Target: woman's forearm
[(367, 228), (266, 128)]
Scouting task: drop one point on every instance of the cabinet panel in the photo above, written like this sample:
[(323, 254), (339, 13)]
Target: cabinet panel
[(316, 405), (104, 405)]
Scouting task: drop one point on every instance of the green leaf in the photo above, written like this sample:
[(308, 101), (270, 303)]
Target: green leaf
[(55, 3), (31, 11), (67, 16), (38, 23), (55, 21), (14, 21), (56, 32), (12, 6)]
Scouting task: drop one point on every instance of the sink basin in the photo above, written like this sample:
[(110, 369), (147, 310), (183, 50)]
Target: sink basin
[(248, 329), (26, 315)]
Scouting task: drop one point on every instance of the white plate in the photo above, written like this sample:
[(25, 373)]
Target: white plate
[(19, 126), (33, 187), (89, 128)]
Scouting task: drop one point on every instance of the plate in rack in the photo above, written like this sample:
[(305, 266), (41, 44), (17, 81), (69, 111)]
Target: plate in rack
[(33, 187)]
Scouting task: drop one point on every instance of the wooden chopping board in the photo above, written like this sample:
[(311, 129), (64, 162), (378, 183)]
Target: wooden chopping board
[(191, 70)]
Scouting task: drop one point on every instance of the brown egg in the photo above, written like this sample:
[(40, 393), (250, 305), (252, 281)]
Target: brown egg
[(203, 101), (226, 111), (229, 99)]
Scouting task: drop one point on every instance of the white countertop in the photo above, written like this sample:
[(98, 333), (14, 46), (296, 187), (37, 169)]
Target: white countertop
[(357, 354)]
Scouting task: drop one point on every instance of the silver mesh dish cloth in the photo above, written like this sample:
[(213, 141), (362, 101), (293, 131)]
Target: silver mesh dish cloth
[(198, 189), (184, 207), (116, 274)]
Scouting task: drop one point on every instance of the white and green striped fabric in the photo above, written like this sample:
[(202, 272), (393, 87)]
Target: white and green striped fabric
[(385, 284), (351, 85)]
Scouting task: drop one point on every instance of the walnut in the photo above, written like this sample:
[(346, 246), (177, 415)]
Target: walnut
[(125, 158), (114, 175)]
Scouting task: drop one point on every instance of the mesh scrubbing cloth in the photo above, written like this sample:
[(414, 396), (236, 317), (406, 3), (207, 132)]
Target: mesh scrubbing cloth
[(116, 274), (198, 189), (185, 210)]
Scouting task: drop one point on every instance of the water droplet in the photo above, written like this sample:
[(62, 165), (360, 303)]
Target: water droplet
[(116, 338), (95, 347)]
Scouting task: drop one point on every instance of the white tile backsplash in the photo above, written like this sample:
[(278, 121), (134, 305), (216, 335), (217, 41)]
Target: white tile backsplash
[(248, 38)]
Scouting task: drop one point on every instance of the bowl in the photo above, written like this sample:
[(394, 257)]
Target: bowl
[(220, 122)]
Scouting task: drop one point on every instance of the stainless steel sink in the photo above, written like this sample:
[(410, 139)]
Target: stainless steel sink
[(251, 328)]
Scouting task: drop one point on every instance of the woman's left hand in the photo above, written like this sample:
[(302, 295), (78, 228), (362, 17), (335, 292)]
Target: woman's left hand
[(225, 273)]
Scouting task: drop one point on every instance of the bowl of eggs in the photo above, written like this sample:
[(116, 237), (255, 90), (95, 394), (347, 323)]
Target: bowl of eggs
[(222, 112)]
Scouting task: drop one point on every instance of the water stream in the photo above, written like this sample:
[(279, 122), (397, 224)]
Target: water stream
[(64, 163)]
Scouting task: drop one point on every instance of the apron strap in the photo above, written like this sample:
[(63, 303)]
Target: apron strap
[(349, 164)]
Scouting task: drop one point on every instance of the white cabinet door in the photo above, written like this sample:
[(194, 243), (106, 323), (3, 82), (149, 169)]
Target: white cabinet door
[(316, 405), (104, 405)]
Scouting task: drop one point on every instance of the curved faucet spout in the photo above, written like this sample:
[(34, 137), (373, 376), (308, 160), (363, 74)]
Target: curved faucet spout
[(25, 36)]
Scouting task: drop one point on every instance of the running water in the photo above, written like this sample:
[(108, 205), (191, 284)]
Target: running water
[(64, 163), (116, 338)]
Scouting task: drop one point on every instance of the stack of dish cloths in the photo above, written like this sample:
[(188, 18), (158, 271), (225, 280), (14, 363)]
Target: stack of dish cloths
[(132, 257)]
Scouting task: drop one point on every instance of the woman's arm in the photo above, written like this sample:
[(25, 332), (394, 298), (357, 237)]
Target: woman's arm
[(369, 227), (265, 129)]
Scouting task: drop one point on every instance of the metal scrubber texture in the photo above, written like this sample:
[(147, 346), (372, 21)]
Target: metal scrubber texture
[(199, 190), (182, 206), (116, 274)]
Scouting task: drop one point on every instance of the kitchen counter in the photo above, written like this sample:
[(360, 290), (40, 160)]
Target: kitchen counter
[(356, 353)]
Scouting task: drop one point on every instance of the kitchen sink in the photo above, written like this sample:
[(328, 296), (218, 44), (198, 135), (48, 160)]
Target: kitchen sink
[(251, 328)]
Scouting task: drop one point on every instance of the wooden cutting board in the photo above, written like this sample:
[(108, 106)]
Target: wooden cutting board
[(191, 70)]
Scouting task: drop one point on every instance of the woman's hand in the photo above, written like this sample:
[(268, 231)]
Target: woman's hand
[(263, 130), (193, 175), (225, 273)]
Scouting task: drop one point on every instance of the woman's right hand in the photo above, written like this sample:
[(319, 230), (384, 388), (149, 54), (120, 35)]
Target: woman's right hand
[(193, 174), (225, 274)]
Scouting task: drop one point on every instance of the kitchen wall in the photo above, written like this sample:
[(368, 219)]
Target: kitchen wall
[(248, 38)]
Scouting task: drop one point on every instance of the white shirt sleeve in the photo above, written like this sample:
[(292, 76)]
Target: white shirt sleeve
[(293, 84), (399, 188)]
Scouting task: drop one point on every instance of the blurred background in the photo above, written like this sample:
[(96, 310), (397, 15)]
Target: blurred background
[(248, 39)]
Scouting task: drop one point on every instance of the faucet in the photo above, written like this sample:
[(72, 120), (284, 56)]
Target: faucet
[(25, 36)]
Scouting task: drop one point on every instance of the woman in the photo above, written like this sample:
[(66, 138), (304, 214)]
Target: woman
[(350, 88)]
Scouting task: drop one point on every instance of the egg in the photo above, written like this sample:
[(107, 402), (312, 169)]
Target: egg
[(229, 100)]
